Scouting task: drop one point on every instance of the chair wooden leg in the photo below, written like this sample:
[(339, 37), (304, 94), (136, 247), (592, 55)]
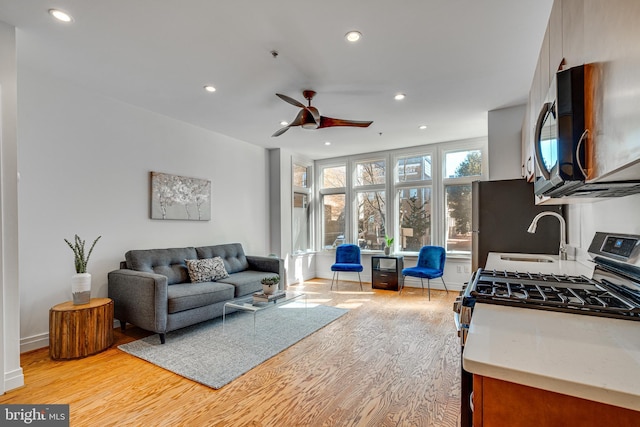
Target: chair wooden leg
[(445, 285), (360, 280)]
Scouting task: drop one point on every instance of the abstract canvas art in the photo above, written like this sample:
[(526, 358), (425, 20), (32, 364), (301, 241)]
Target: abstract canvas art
[(180, 197)]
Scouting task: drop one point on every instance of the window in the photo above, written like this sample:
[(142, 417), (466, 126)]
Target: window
[(301, 222), (419, 196), (333, 203), (371, 219), (333, 220), (413, 188), (414, 206), (461, 167)]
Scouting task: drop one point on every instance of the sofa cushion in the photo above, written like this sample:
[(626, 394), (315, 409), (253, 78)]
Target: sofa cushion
[(185, 296), (168, 262), (206, 270), (246, 282), (231, 253)]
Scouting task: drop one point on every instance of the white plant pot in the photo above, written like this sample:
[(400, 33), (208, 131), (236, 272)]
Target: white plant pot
[(269, 289), (81, 288)]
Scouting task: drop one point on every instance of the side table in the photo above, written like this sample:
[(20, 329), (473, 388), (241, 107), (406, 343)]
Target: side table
[(80, 330), (386, 272)]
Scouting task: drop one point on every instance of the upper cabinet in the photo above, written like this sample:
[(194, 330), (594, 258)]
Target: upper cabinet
[(612, 44), (605, 34)]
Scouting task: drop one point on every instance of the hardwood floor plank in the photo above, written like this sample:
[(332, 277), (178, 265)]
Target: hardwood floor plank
[(393, 360)]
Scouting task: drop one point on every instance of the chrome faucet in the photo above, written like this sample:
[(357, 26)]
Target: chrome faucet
[(563, 242)]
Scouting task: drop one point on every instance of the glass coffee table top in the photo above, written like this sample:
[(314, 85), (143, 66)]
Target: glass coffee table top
[(248, 303)]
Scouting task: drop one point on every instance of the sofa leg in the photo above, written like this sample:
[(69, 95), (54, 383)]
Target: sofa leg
[(162, 338), (123, 324)]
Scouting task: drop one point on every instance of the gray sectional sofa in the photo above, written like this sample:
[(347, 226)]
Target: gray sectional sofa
[(152, 289)]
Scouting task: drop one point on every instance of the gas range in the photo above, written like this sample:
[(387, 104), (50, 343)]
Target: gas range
[(613, 290), (570, 294)]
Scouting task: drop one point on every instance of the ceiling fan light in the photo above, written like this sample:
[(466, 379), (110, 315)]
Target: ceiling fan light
[(309, 126), (353, 36), (60, 15)]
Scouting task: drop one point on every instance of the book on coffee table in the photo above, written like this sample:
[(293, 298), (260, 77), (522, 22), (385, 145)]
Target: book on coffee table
[(262, 297)]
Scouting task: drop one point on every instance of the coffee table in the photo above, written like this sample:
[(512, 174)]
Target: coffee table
[(247, 304)]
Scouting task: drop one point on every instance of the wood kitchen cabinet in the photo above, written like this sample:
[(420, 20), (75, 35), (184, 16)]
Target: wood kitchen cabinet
[(502, 403)]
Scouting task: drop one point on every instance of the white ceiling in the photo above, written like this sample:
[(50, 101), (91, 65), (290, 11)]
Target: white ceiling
[(454, 59)]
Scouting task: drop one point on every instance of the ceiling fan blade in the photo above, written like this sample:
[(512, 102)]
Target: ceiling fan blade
[(326, 122), (290, 100), (281, 131), (299, 120)]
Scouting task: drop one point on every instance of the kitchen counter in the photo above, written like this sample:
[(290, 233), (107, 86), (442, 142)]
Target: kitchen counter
[(588, 357)]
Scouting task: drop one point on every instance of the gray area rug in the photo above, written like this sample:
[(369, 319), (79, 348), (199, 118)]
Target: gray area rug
[(214, 357)]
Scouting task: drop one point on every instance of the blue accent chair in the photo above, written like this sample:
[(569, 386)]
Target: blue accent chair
[(347, 259), (430, 266)]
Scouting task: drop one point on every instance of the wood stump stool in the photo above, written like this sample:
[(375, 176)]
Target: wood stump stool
[(80, 330)]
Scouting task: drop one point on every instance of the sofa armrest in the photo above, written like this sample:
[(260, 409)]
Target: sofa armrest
[(139, 298), (267, 264)]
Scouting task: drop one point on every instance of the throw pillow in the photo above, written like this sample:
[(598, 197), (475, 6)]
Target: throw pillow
[(206, 270)]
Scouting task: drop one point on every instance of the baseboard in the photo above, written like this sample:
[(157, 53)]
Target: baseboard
[(34, 342), (13, 379)]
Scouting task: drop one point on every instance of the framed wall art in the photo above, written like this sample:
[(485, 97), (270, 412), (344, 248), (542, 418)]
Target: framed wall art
[(180, 197)]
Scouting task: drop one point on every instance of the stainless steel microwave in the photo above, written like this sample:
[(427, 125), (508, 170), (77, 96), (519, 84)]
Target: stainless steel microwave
[(560, 135)]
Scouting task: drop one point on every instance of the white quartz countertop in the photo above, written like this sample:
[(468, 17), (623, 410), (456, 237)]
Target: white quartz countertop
[(589, 357)]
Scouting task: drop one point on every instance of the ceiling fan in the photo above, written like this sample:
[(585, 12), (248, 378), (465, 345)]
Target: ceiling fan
[(309, 117)]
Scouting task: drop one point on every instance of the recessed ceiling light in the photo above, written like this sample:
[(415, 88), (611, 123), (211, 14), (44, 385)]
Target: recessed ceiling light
[(284, 123), (327, 143), (209, 88), (353, 36), (399, 97), (60, 15), (423, 127)]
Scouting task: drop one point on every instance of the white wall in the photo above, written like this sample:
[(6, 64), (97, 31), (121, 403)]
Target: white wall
[(504, 127), (618, 215), (84, 161), (12, 375)]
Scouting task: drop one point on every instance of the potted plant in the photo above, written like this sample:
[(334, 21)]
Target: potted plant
[(81, 281), (270, 284), (388, 241)]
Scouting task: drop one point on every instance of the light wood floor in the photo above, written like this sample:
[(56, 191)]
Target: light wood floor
[(393, 360)]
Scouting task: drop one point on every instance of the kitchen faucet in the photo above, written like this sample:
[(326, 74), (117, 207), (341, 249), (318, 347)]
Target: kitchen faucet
[(563, 225)]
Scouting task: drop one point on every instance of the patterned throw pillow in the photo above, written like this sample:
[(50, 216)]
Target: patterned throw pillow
[(206, 270)]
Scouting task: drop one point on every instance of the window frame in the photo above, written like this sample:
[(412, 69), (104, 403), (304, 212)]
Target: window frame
[(309, 192), (391, 186)]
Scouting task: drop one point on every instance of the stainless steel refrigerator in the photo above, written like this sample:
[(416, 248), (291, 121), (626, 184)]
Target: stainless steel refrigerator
[(501, 214)]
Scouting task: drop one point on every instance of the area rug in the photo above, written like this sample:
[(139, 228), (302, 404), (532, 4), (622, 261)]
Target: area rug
[(214, 356)]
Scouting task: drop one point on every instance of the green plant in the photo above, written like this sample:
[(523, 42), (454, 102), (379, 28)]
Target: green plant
[(388, 240), (274, 280), (80, 259)]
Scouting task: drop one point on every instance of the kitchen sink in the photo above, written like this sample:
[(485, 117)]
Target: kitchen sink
[(521, 258)]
